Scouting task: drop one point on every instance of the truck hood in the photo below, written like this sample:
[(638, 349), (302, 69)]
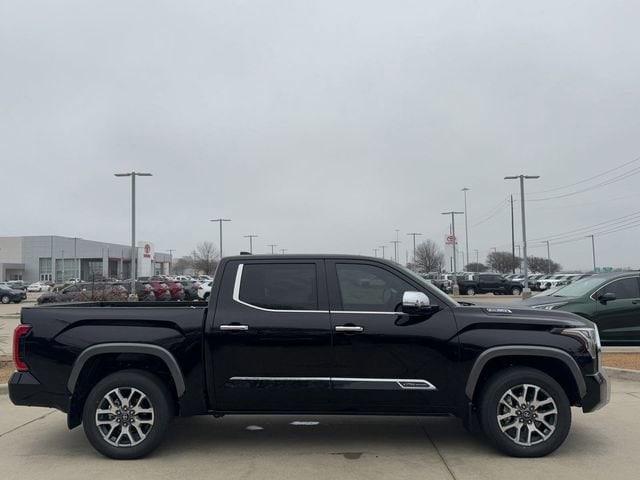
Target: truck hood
[(545, 300), (521, 315)]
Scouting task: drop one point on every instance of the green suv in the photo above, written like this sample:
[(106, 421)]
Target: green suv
[(610, 300)]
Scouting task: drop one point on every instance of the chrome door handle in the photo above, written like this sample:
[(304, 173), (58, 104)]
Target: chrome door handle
[(349, 328), (234, 327)]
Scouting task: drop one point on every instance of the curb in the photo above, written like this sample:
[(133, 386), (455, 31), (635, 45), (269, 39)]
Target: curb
[(4, 389), (623, 373)]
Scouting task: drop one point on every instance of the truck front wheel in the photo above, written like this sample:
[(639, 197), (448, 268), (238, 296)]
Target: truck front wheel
[(126, 414), (524, 412), (471, 291)]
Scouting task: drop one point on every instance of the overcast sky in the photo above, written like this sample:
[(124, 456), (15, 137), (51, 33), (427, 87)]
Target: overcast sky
[(320, 126)]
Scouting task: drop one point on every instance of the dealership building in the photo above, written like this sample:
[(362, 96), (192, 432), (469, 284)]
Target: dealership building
[(57, 259)]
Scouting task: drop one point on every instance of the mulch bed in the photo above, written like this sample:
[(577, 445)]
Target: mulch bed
[(629, 361)]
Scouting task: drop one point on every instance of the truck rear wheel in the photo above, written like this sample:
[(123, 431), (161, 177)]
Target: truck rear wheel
[(471, 291), (126, 414), (524, 412)]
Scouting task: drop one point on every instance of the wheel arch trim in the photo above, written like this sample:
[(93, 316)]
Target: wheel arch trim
[(523, 350), (127, 347)]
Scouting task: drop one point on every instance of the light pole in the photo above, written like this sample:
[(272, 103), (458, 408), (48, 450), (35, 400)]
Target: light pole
[(251, 237), (456, 289), (382, 247), (375, 252), (75, 258), (220, 220), (414, 235), (272, 245), (466, 224), (477, 262), (593, 250), (133, 175), (526, 292), (282, 251)]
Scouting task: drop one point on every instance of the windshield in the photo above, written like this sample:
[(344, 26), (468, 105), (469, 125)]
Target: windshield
[(579, 288)]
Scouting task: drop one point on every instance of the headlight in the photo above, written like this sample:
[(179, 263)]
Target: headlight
[(589, 337), (549, 306)]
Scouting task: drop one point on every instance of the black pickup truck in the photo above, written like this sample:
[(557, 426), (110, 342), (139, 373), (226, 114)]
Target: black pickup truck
[(488, 283), (309, 334)]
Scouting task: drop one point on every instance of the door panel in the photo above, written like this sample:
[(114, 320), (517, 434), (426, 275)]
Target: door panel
[(271, 341), (394, 362)]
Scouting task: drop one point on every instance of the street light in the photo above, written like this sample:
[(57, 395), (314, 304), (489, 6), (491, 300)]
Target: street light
[(220, 220), (133, 175), (526, 292), (251, 237), (395, 246), (273, 246), (456, 289), (414, 235), (466, 224), (593, 251)]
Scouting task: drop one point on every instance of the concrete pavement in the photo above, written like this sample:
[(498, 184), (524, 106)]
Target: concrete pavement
[(35, 444)]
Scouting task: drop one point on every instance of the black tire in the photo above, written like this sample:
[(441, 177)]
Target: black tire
[(206, 297), (470, 291), (5, 299), (159, 399), (516, 291), (511, 378)]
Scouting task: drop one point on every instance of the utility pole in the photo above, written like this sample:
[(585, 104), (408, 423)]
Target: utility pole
[(548, 257), (375, 252), (75, 258), (526, 292), (414, 235), (477, 262), (593, 251), (220, 220), (133, 174), (251, 237), (456, 289), (282, 250), (466, 224), (395, 246), (272, 245), (382, 247), (170, 250), (513, 237)]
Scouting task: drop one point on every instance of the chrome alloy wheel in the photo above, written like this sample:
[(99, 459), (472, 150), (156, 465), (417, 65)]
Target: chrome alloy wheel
[(527, 414), (124, 417)]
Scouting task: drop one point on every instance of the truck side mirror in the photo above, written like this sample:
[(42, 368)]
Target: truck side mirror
[(416, 303), (606, 297)]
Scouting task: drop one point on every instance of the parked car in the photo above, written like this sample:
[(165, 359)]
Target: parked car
[(16, 284), (488, 283), (86, 292), (309, 334), (160, 288), (204, 290), (610, 300), (175, 289), (38, 287), (8, 294), (438, 280), (144, 291), (190, 288)]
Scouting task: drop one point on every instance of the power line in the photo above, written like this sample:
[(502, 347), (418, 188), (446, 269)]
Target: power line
[(587, 179), (493, 212), (620, 177), (605, 223)]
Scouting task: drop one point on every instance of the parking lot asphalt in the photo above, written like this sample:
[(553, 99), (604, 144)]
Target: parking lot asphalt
[(35, 444)]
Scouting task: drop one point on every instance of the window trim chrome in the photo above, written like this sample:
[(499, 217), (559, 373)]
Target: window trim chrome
[(418, 383)]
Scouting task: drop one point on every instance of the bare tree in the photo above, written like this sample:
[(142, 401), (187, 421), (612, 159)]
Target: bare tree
[(182, 264), (205, 257), (503, 262), (542, 265), (429, 257), (475, 267)]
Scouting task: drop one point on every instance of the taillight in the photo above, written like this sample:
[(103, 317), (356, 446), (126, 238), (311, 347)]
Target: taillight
[(19, 333)]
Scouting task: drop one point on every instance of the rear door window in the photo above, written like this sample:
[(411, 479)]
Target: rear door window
[(280, 286), (623, 288)]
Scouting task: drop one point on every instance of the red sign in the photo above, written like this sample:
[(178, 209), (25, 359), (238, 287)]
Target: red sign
[(450, 240)]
